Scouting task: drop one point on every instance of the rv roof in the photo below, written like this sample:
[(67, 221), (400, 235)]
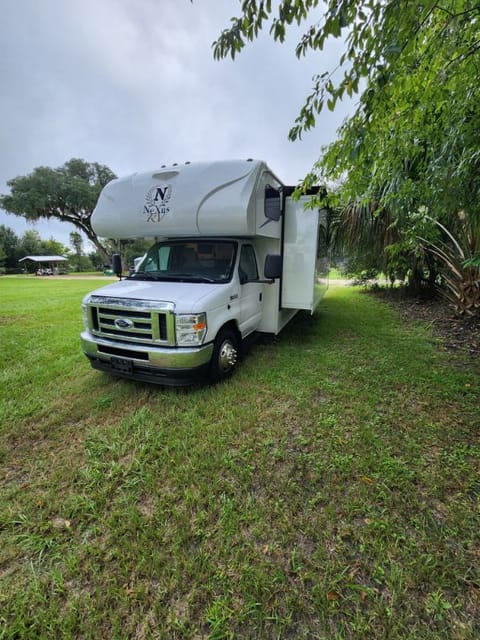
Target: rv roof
[(202, 198)]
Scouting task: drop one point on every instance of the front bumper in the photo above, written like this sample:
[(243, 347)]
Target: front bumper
[(160, 365)]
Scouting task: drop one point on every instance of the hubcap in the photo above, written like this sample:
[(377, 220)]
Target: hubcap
[(227, 357)]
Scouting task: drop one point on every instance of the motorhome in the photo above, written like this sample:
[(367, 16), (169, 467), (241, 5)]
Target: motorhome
[(233, 253)]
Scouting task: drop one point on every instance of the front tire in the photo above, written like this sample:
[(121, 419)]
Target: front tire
[(226, 354)]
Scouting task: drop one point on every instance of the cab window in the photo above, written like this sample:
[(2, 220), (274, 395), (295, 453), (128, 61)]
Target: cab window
[(247, 268)]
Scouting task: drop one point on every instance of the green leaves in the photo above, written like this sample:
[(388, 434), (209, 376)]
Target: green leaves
[(413, 143), (458, 256), (68, 193), (376, 33)]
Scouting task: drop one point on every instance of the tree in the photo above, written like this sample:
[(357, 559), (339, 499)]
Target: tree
[(134, 249), (79, 261), (68, 193), (77, 243), (413, 147), (31, 243), (377, 34), (52, 247), (3, 259), (10, 247), (411, 150)]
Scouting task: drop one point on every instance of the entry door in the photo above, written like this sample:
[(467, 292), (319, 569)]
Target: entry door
[(251, 291)]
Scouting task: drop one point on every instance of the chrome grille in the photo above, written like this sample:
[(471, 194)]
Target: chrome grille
[(141, 321)]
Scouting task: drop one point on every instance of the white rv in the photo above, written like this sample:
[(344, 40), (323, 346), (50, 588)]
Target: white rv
[(232, 254)]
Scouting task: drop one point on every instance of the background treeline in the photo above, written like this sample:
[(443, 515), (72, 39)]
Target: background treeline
[(14, 247)]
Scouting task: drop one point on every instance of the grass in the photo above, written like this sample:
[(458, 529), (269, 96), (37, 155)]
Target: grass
[(329, 490), (71, 274), (336, 274)]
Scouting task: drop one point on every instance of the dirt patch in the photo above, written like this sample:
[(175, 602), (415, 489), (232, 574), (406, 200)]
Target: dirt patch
[(458, 333)]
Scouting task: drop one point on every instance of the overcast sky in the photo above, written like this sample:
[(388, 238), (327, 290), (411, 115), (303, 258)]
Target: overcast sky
[(132, 84)]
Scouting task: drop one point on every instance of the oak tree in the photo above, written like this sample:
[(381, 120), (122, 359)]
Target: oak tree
[(68, 193)]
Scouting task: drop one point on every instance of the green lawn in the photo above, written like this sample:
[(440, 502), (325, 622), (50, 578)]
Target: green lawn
[(329, 490)]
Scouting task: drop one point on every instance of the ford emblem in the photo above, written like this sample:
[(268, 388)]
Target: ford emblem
[(123, 323)]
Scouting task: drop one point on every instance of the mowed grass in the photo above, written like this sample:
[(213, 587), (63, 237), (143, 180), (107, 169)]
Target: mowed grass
[(329, 490)]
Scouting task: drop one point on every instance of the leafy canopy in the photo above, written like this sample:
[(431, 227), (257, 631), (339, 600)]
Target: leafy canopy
[(68, 193), (409, 157), (413, 150), (376, 34)]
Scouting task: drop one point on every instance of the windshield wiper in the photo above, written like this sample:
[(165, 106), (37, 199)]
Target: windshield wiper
[(170, 277), (195, 276), (142, 276)]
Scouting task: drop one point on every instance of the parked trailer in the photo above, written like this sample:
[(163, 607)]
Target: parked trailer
[(233, 253)]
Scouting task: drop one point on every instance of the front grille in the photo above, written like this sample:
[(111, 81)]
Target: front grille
[(139, 321)]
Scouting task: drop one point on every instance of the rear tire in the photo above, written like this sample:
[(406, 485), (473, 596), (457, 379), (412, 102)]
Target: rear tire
[(226, 354)]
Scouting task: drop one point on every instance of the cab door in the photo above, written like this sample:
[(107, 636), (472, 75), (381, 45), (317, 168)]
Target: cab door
[(251, 291)]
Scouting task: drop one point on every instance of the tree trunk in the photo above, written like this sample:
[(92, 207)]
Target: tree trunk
[(107, 259)]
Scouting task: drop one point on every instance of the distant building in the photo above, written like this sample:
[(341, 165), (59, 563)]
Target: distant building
[(45, 265)]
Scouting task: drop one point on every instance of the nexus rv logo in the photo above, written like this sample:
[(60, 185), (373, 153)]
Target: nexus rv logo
[(156, 201)]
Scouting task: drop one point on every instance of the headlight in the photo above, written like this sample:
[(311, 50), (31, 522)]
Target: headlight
[(85, 302), (190, 328)]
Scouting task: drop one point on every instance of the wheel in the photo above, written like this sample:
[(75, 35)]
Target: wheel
[(226, 353)]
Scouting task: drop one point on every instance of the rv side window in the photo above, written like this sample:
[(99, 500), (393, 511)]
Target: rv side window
[(247, 268)]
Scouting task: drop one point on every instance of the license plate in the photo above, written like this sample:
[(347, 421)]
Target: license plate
[(121, 364)]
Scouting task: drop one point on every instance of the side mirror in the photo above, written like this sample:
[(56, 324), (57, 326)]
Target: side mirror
[(117, 265), (273, 266)]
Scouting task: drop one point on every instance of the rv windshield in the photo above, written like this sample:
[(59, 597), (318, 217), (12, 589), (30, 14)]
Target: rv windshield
[(188, 260)]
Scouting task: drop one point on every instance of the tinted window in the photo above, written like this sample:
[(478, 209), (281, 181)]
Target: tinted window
[(248, 264)]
